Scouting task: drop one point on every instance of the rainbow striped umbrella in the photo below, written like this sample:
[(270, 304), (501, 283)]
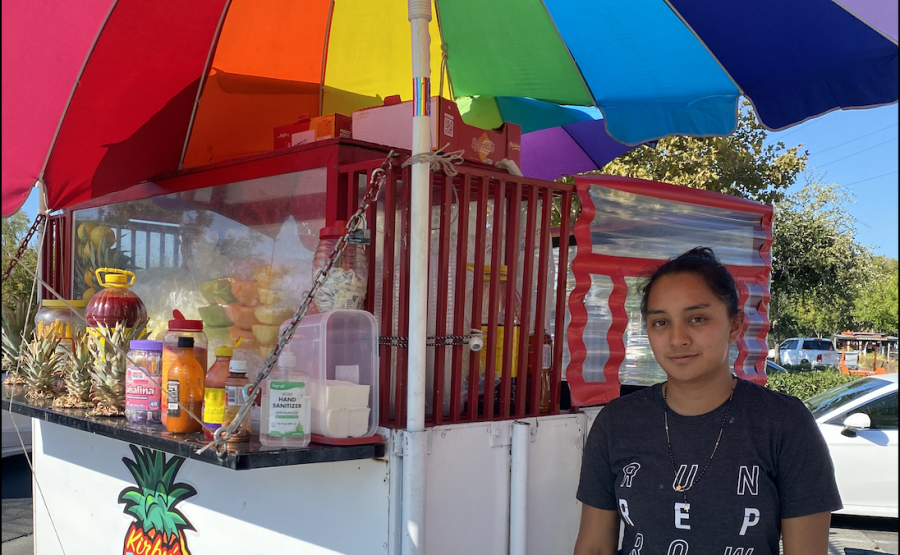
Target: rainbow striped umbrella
[(101, 94)]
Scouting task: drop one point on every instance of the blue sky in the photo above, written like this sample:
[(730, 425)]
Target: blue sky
[(856, 148)]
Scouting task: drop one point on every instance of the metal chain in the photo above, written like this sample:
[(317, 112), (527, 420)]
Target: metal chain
[(447, 340), (23, 246), (376, 182)]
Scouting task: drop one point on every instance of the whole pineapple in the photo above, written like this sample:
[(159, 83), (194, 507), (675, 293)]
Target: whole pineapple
[(40, 363), (77, 376), (108, 367)]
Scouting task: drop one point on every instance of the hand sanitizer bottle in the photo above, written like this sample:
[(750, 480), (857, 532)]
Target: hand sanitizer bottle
[(285, 418)]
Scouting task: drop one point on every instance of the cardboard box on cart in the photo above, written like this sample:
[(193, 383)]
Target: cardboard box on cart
[(307, 130), (391, 125)]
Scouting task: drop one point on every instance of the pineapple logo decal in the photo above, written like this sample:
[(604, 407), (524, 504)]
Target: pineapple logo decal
[(159, 526)]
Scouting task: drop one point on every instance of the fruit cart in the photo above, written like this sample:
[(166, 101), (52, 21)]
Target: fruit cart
[(181, 233)]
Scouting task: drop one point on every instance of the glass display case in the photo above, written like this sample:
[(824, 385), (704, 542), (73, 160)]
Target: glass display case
[(236, 254)]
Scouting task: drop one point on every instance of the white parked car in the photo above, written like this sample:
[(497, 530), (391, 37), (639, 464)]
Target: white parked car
[(16, 433), (818, 352), (859, 422)]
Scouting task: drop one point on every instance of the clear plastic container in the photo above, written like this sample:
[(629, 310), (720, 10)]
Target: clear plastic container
[(67, 323), (180, 327), (346, 285), (143, 379), (339, 351), (285, 420)]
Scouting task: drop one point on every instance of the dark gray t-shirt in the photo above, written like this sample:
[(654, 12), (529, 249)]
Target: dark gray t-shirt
[(772, 463)]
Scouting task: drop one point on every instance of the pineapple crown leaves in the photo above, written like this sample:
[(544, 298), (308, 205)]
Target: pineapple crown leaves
[(154, 498), (16, 325), (41, 358)]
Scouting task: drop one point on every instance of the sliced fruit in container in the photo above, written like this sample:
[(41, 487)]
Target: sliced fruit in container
[(266, 334), (215, 316), (245, 292), (273, 315), (241, 315), (277, 297), (268, 277), (264, 350), (217, 291)]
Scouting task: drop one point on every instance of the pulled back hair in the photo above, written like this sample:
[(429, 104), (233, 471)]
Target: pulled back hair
[(702, 262)]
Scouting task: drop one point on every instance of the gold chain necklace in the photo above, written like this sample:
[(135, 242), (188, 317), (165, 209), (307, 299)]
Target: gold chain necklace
[(675, 485)]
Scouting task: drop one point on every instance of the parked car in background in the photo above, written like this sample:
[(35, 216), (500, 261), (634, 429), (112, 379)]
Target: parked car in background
[(858, 420), (771, 367), (16, 433), (816, 351)]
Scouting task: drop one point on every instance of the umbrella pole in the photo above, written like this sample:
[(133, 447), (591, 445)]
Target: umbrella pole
[(415, 438)]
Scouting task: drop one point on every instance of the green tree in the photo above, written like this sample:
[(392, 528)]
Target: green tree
[(875, 306), (817, 265), (20, 282), (741, 164)]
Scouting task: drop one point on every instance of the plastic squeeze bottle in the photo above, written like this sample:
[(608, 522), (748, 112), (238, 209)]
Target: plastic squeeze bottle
[(285, 406), (184, 385), (214, 391), (236, 389)]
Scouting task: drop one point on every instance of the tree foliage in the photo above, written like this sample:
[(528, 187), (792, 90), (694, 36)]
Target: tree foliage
[(875, 307), (20, 282), (817, 265), (741, 164)]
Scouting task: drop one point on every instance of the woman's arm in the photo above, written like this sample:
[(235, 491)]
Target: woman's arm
[(804, 535), (599, 531)]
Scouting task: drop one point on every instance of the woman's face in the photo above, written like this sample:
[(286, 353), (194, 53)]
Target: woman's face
[(689, 328)]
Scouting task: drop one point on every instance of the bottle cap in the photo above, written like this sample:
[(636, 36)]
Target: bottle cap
[(224, 351), (180, 323), (333, 231), (238, 366), (146, 345), (185, 342), (53, 303), (287, 360)]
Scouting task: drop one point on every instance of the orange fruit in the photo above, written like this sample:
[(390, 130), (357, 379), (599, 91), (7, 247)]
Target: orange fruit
[(85, 229), (101, 231)]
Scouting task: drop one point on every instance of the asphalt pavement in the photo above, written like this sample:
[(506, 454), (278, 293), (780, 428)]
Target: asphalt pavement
[(849, 535)]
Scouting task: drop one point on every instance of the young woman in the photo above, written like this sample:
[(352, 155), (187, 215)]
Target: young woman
[(703, 464)]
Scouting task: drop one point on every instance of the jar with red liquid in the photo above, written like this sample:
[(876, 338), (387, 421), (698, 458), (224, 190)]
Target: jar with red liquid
[(114, 303), (179, 326)]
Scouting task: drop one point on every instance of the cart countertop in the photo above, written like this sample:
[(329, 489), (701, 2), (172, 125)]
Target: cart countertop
[(252, 455)]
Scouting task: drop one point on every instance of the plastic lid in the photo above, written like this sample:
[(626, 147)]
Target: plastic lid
[(180, 323), (333, 231), (185, 342), (116, 279), (238, 366), (146, 345), (287, 360), (224, 351), (53, 303)]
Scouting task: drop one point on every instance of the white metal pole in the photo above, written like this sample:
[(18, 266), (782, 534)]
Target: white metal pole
[(415, 438), (518, 488)]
